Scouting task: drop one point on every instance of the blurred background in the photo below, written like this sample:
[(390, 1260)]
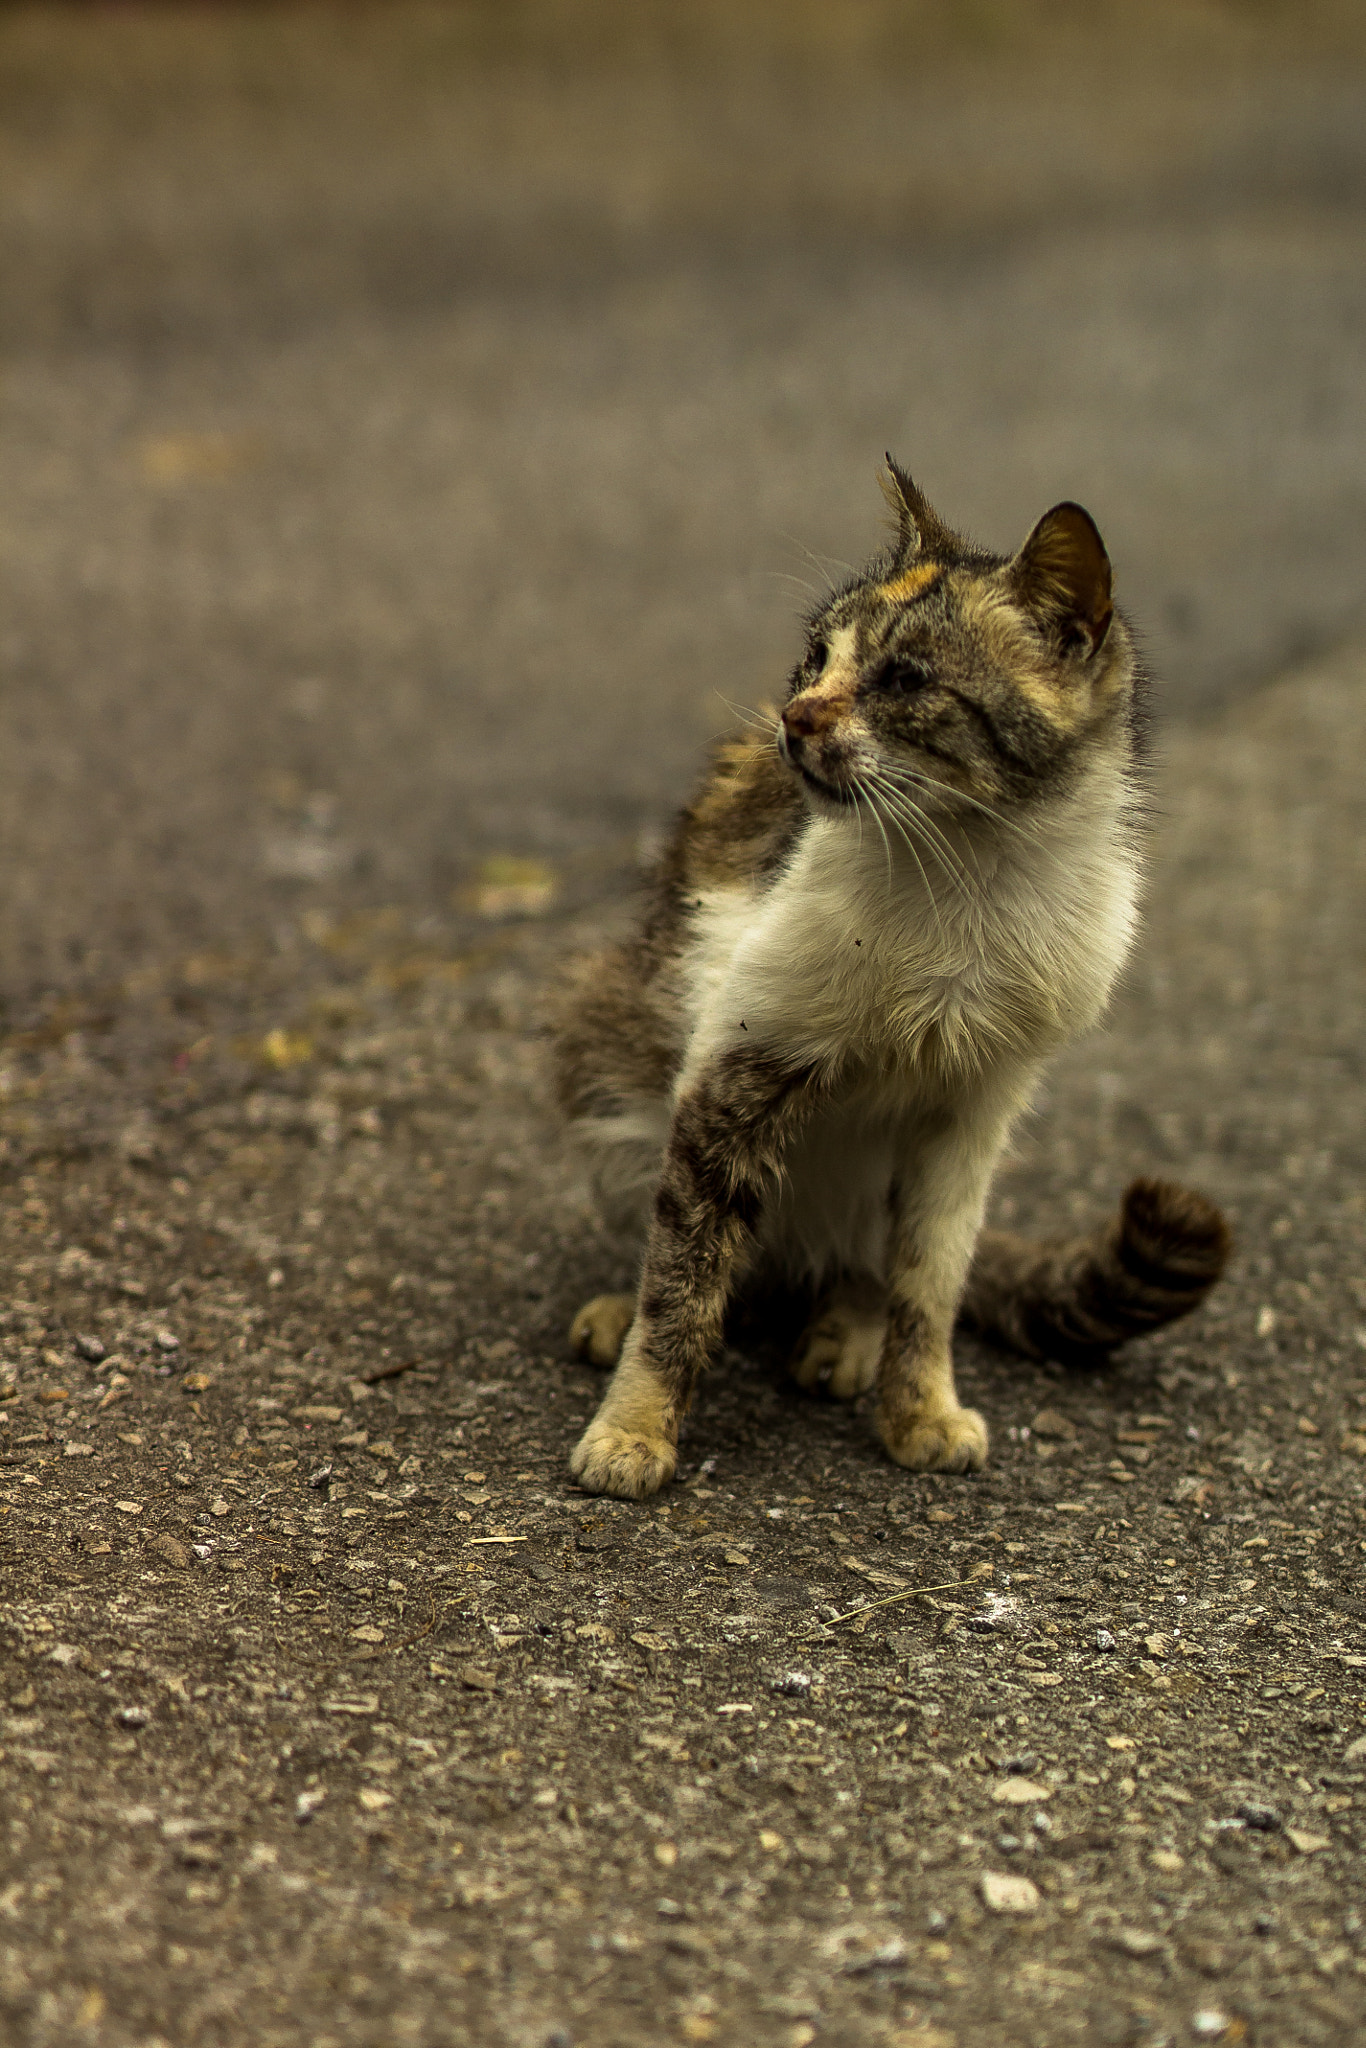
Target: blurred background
[(420, 423)]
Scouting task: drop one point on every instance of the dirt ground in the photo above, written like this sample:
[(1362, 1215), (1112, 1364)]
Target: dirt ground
[(809, 1750)]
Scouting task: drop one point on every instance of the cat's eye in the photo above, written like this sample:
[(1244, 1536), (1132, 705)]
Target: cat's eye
[(817, 657), (903, 675)]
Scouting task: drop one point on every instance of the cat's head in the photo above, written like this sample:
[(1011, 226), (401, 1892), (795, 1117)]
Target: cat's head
[(954, 670)]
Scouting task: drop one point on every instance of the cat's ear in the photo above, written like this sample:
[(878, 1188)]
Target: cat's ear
[(919, 527), (1062, 576)]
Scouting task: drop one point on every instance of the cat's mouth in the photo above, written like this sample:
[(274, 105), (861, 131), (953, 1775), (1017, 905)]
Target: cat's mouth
[(831, 791)]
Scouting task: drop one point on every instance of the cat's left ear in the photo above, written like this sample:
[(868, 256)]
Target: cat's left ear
[(1062, 576), (919, 527)]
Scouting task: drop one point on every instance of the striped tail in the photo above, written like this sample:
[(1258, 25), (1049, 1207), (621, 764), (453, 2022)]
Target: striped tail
[(1075, 1299)]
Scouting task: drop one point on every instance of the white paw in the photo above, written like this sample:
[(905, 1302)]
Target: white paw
[(598, 1331), (626, 1463), (840, 1352), (953, 1441)]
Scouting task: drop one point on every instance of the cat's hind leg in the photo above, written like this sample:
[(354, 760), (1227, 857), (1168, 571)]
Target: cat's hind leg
[(598, 1331), (839, 1350)]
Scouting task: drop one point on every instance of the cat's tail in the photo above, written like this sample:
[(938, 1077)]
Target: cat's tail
[(1075, 1299)]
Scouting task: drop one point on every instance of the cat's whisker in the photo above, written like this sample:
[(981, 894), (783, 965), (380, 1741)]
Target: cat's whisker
[(909, 844), (909, 776), (937, 842), (873, 813), (757, 720), (910, 817)]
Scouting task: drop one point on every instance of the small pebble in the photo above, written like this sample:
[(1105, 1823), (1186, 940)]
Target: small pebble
[(792, 1684), (166, 1340), (170, 1551), (91, 1349), (1136, 1941), (321, 1479), (307, 1803), (219, 1507), (1255, 1815), (1104, 1639), (1051, 1422), (1020, 1792), (1003, 1893), (133, 1717)]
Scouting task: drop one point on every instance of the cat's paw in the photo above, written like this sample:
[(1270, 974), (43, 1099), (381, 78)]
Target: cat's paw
[(840, 1353), (622, 1462), (598, 1331), (953, 1441)]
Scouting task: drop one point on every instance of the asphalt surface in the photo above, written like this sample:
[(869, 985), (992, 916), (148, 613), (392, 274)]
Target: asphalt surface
[(410, 441)]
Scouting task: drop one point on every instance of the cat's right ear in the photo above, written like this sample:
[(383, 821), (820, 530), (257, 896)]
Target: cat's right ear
[(1062, 576), (919, 527)]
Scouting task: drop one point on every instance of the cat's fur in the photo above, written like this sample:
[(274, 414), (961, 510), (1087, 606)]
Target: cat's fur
[(872, 928)]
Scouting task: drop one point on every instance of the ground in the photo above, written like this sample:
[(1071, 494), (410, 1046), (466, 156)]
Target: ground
[(330, 1712)]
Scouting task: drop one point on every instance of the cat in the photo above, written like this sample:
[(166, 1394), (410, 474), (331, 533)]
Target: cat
[(882, 914)]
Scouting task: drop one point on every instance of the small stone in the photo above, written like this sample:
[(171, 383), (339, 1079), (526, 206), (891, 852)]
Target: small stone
[(367, 1633), (307, 1804), (320, 1480), (477, 1679), (1002, 1893), (1167, 1861), (219, 1507), (79, 1450), (1305, 1844), (1104, 1639), (1209, 2022), (65, 1653), (166, 1340), (1020, 1792), (666, 1853), (373, 1800), (197, 1382), (1158, 1646), (791, 1684), (1135, 1941), (890, 1956), (170, 1550), (133, 1717), (1119, 1742), (53, 1359), (1052, 1423), (53, 1394), (1254, 1815), (91, 1349), (128, 1507), (1355, 1752)]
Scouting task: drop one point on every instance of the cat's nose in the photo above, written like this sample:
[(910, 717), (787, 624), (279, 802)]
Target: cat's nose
[(807, 716)]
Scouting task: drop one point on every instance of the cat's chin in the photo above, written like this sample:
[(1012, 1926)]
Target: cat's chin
[(826, 797)]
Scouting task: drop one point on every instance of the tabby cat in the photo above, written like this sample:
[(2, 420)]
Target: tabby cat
[(881, 915)]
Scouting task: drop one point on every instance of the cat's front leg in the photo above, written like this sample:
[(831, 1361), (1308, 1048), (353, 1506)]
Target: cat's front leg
[(936, 1214), (730, 1128)]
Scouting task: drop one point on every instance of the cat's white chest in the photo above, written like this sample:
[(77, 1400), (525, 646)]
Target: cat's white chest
[(855, 955)]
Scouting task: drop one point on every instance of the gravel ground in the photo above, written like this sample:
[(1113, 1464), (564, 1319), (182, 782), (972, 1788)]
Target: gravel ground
[(336, 1715), (351, 377)]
